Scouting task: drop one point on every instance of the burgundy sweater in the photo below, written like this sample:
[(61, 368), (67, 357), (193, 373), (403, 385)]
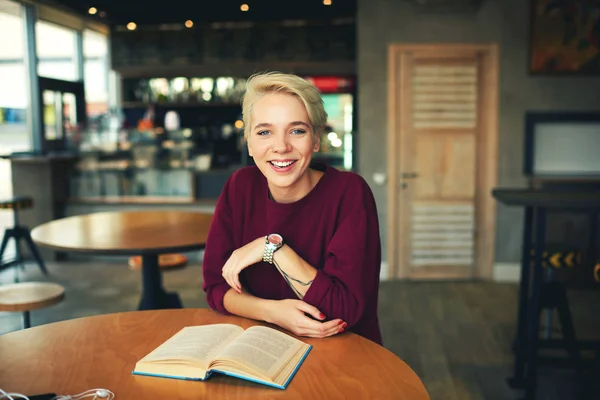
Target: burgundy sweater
[(334, 228)]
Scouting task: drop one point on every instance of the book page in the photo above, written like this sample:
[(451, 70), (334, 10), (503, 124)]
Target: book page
[(196, 342), (263, 349)]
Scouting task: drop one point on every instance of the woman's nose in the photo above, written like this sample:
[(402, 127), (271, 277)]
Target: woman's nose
[(281, 143)]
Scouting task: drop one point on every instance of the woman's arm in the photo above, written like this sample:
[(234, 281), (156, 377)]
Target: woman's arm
[(220, 244), (220, 249), (295, 270), (288, 314), (347, 285), (246, 305)]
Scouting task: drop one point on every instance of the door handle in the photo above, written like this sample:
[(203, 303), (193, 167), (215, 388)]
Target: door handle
[(410, 175)]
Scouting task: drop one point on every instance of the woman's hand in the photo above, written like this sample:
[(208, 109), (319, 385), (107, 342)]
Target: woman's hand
[(240, 259), (290, 314)]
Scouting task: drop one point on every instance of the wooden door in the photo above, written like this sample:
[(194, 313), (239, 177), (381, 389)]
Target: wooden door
[(442, 160)]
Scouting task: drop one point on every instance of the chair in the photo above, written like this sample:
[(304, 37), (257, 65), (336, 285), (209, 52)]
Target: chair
[(28, 296), (19, 232)]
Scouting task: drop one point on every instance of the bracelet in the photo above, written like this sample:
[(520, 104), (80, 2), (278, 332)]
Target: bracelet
[(289, 277)]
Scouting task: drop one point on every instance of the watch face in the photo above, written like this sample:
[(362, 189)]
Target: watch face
[(275, 239)]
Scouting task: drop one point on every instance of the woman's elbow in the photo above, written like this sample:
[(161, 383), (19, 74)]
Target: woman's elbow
[(348, 308)]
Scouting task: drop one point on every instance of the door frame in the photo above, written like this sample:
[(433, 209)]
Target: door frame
[(486, 148), (62, 86)]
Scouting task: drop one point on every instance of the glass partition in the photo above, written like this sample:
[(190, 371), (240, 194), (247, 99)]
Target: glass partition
[(95, 72), (56, 51), (14, 126)]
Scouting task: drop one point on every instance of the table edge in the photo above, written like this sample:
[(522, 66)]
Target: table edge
[(122, 251)]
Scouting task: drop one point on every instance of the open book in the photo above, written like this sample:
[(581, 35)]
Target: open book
[(259, 354)]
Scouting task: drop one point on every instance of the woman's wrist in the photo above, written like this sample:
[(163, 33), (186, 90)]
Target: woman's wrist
[(293, 264), (248, 305), (265, 309)]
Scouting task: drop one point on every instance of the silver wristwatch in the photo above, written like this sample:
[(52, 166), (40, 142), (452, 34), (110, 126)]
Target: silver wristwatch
[(273, 242)]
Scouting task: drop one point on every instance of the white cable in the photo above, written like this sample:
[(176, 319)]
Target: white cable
[(10, 396), (100, 394)]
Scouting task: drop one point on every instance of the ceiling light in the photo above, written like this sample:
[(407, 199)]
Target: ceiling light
[(131, 26), (327, 2), (93, 10), (244, 7), (189, 23)]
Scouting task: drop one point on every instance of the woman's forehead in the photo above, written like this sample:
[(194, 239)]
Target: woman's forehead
[(278, 108)]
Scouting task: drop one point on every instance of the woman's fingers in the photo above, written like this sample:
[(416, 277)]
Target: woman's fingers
[(312, 310), (231, 275), (227, 275), (312, 328), (236, 280), (309, 327), (324, 334), (231, 272), (327, 329)]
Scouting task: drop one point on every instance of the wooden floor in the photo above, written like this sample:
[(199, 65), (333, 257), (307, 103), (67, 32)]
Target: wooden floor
[(456, 336)]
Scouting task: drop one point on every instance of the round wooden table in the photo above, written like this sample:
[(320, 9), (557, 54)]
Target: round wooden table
[(72, 356), (146, 233)]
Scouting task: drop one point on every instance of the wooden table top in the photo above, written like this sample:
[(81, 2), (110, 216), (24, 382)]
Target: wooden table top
[(72, 356), (126, 232)]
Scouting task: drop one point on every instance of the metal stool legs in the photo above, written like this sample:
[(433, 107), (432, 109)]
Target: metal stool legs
[(18, 233)]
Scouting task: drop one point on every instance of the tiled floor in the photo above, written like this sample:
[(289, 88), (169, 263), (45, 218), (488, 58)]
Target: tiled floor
[(456, 336)]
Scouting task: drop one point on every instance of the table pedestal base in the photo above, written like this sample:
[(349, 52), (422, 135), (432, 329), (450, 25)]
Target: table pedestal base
[(154, 296)]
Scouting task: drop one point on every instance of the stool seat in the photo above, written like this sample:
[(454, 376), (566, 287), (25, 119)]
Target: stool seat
[(16, 203), (27, 296), (165, 262)]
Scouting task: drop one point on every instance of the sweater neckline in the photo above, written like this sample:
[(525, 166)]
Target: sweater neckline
[(272, 203)]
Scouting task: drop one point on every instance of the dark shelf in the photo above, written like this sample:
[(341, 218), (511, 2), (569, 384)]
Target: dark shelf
[(191, 104)]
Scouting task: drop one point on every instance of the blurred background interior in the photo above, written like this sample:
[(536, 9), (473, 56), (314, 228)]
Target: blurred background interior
[(465, 117)]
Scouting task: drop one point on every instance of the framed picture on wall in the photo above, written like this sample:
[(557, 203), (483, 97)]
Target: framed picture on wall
[(562, 144), (565, 37)]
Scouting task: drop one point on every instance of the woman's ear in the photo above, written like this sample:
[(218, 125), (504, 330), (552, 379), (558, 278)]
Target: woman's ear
[(317, 145), (248, 144)]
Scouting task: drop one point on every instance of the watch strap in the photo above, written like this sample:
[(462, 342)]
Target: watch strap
[(270, 249)]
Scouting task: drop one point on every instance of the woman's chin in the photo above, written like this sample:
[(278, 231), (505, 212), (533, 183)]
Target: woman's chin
[(282, 181)]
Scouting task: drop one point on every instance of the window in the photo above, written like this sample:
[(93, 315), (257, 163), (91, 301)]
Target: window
[(95, 72), (56, 51), (14, 98)]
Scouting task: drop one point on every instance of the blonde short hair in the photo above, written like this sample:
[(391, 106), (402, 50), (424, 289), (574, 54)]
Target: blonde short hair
[(261, 84)]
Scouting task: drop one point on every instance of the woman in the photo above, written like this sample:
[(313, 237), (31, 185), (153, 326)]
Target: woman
[(290, 244)]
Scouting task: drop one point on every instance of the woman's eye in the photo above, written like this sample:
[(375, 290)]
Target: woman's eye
[(298, 131)]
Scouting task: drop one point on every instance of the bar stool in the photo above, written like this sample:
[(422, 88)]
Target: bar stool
[(19, 232), (29, 296)]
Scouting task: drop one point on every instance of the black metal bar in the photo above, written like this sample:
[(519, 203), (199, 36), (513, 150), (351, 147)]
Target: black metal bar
[(533, 313), (518, 375), (593, 240), (35, 252), (562, 344)]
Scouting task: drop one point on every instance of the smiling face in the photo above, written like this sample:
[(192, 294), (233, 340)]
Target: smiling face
[(282, 141)]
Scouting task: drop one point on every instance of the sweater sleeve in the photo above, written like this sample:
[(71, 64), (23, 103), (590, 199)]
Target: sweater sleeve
[(219, 246), (349, 280)]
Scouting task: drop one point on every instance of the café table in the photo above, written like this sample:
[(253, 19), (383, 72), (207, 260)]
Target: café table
[(73, 356), (147, 233)]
